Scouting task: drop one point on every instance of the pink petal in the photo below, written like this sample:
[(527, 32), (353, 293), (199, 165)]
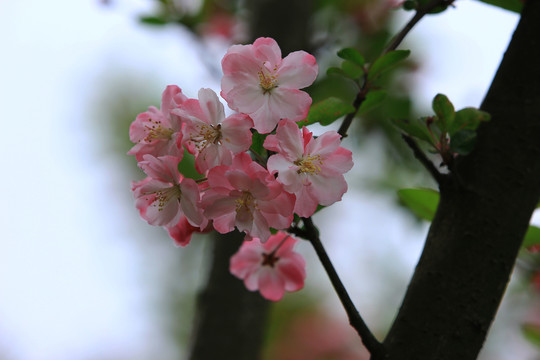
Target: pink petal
[(292, 271), (328, 190), (290, 140), (271, 286), (211, 106), (306, 203), (236, 134), (267, 49), (164, 168), (190, 202), (211, 156), (245, 96), (289, 103), (298, 70), (338, 163), (266, 117), (240, 58), (181, 232), (325, 144)]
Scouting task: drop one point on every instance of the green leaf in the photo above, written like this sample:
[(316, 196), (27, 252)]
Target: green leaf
[(467, 118), (352, 55), (386, 62), (512, 5), (532, 236), (444, 110), (462, 142), (436, 9), (152, 20), (257, 141), (410, 5), (352, 70), (416, 128), (422, 202), (531, 333), (335, 71), (373, 99), (186, 167), (327, 111)]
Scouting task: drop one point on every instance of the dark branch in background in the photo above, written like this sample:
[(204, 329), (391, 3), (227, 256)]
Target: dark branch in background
[(311, 233), (420, 13), (419, 154)]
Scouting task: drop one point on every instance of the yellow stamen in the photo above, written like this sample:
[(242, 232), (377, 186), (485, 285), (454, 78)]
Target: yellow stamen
[(267, 81), (309, 165), (208, 134), (156, 131), (163, 196)]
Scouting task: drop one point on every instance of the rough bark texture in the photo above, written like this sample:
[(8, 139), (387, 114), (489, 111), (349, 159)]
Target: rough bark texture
[(230, 320), (485, 208)]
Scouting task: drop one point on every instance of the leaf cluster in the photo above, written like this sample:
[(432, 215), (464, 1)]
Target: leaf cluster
[(448, 132), (365, 76)]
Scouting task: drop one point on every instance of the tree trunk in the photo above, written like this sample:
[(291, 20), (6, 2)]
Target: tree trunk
[(485, 208), (230, 320)]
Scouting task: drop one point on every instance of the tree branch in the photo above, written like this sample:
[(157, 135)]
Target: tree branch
[(419, 154), (420, 13), (311, 233), (475, 237)]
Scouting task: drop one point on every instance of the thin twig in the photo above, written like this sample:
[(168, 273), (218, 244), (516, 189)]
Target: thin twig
[(311, 233), (360, 97), (420, 13), (419, 154)]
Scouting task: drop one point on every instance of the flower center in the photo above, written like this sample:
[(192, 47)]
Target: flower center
[(155, 130), (245, 204), (309, 165), (267, 81), (269, 259), (208, 134), (163, 196)]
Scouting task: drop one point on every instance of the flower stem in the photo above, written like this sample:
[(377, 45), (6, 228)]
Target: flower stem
[(311, 233)]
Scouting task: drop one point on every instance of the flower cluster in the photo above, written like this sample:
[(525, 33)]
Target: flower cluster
[(233, 190)]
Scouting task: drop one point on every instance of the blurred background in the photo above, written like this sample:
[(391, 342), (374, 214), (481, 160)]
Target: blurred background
[(82, 277)]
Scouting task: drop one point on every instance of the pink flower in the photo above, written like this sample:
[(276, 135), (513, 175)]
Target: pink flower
[(310, 168), (164, 196), (245, 195), (209, 135), (257, 82), (181, 232), (157, 131), (272, 267)]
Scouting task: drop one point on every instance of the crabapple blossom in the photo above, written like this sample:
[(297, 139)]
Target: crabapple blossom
[(182, 231), (244, 195), (272, 267), (209, 135), (310, 168), (158, 131), (164, 196), (258, 82)]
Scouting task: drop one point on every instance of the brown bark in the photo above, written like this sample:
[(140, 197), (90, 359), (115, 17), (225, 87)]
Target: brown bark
[(486, 204), (230, 320)]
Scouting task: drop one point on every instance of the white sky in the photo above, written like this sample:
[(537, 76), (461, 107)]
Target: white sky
[(69, 278)]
